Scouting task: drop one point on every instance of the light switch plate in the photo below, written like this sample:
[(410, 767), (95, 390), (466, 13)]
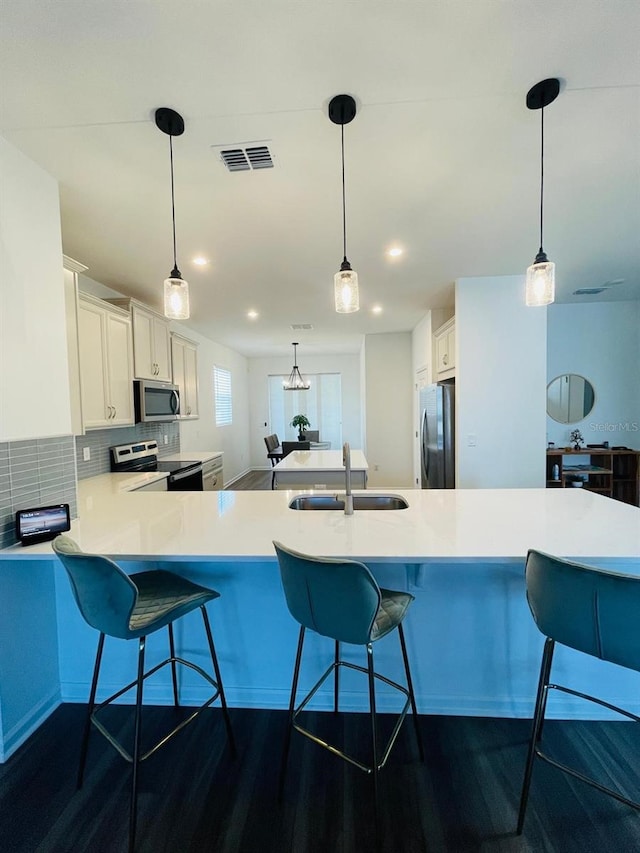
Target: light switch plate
[(86, 454)]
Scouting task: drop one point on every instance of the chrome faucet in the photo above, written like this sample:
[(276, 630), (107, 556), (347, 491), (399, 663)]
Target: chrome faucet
[(346, 461)]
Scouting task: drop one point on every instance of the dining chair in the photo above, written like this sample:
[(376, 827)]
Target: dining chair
[(289, 446), (311, 435)]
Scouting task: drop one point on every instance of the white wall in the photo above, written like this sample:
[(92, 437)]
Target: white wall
[(501, 371), (389, 409), (203, 434), (348, 365), (34, 380), (601, 342)]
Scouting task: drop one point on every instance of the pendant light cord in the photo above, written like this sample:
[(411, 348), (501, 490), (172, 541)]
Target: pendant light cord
[(541, 172), (173, 207), (344, 206)]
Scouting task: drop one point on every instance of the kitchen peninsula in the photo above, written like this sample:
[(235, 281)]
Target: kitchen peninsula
[(475, 649), (313, 468)]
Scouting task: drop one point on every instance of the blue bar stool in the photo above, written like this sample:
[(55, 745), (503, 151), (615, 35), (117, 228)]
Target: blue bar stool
[(132, 607), (340, 599), (594, 611)]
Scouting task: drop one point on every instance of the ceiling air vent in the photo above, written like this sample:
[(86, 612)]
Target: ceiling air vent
[(301, 326), (588, 291), (243, 159)]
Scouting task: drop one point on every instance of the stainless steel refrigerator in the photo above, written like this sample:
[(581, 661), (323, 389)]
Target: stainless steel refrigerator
[(437, 435)]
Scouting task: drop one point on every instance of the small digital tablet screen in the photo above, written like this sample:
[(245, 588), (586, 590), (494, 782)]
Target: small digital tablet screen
[(42, 523)]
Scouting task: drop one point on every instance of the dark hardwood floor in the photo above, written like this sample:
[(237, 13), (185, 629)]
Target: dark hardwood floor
[(254, 481), (195, 797)]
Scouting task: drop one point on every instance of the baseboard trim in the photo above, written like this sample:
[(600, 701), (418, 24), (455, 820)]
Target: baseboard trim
[(27, 725)]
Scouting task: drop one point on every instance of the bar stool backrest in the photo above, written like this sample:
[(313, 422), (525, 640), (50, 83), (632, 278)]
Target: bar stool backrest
[(336, 598), (594, 611), (105, 595)]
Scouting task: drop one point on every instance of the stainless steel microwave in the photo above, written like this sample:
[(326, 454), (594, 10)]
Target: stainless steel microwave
[(156, 401)]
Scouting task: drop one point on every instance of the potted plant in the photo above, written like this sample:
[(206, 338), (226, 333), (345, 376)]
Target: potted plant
[(577, 439), (301, 422)]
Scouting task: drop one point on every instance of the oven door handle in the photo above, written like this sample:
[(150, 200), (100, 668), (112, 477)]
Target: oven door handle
[(185, 472)]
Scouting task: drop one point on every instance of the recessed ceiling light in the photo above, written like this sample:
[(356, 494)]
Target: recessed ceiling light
[(200, 261), (376, 309), (395, 252), (252, 315)]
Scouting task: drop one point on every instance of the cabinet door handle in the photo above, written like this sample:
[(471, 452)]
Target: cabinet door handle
[(114, 411), (445, 358)]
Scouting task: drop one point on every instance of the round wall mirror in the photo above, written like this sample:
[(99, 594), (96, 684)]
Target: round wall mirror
[(570, 398)]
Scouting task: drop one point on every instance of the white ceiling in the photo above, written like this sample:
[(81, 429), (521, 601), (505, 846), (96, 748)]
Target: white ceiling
[(442, 157)]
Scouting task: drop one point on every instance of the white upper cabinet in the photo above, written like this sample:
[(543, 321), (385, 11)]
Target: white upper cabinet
[(184, 360), (150, 345), (106, 364), (444, 350), (151, 341)]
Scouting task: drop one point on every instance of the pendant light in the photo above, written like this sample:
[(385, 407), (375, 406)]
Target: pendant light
[(540, 285), (342, 110), (295, 382), (176, 289)]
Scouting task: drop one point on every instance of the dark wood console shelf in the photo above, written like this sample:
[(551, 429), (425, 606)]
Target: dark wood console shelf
[(614, 473)]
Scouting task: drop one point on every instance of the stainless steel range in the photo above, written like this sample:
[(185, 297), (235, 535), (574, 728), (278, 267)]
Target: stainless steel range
[(143, 456)]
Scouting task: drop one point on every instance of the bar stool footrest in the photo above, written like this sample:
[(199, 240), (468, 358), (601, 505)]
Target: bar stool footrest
[(116, 743), (333, 749), (575, 773)]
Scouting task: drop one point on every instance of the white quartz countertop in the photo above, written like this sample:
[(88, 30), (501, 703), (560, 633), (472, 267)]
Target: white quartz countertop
[(107, 486), (321, 460), (461, 524), (191, 456)]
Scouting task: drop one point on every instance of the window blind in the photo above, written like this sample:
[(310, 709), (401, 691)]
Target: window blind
[(222, 396)]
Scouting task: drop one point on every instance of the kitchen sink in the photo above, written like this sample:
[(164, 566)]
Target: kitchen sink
[(360, 502)]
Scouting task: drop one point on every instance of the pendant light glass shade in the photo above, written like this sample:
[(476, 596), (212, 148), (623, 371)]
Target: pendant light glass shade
[(176, 289), (342, 110), (295, 382), (347, 296), (176, 297), (540, 284)]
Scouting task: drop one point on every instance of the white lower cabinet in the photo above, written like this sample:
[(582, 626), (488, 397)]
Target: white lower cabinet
[(106, 364), (184, 360)]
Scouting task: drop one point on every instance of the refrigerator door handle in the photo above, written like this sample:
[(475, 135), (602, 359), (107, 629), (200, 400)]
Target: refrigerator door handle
[(425, 450)]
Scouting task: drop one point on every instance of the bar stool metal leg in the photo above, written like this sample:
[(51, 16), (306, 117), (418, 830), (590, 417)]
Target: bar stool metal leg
[(223, 701), (374, 734), (136, 746), (92, 701), (336, 677), (541, 702), (172, 650), (412, 697), (292, 702)]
